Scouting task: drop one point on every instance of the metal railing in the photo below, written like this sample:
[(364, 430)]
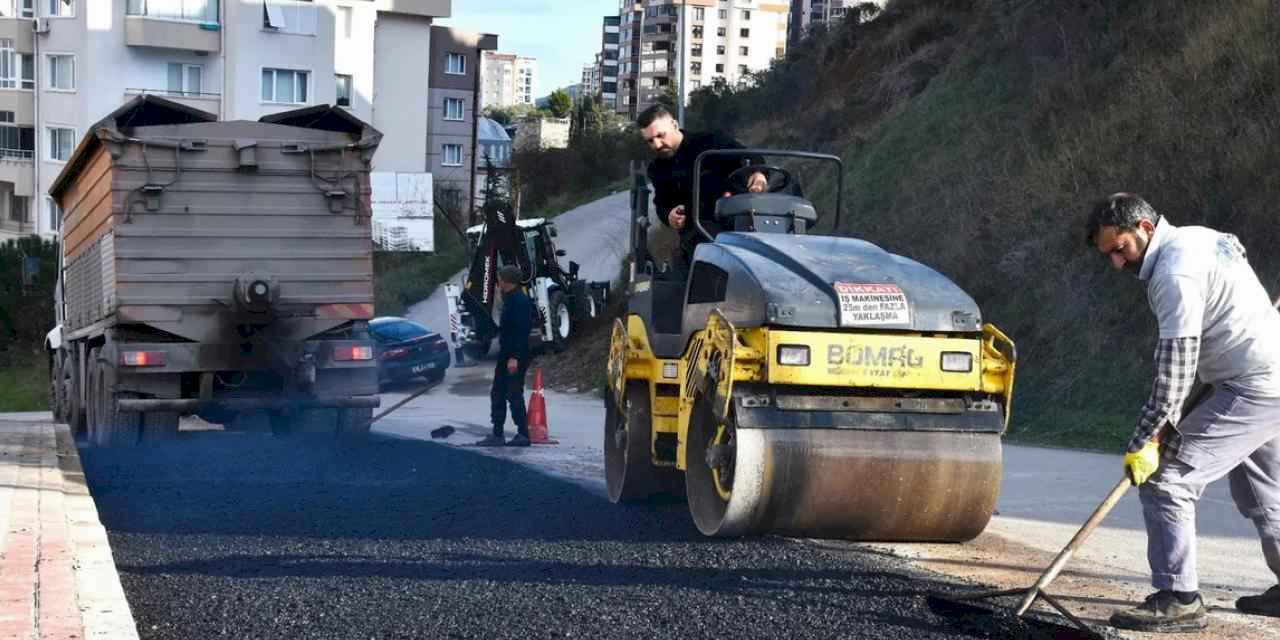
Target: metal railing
[(165, 93), (17, 154)]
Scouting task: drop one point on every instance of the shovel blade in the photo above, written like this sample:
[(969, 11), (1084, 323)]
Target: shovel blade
[(982, 615)]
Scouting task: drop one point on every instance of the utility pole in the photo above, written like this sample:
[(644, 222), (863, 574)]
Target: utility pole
[(680, 41)]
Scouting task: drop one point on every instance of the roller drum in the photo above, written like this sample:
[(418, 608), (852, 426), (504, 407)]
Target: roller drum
[(862, 485)]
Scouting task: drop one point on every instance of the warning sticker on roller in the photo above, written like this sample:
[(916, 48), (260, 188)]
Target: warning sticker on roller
[(872, 304)]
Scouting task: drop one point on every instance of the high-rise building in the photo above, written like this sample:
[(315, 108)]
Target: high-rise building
[(508, 80), (608, 59), (806, 13), (591, 78), (664, 43), (65, 64)]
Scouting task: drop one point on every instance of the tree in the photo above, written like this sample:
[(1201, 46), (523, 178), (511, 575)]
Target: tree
[(670, 99), (560, 104)]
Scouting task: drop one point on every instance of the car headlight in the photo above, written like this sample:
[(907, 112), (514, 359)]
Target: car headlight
[(956, 362), (793, 355)]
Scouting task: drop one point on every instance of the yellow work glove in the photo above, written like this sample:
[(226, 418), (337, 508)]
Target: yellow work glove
[(1140, 464)]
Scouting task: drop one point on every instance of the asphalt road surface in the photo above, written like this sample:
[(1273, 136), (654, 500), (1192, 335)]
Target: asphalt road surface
[(226, 534)]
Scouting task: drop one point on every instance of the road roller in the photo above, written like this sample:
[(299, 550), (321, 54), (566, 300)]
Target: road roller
[(799, 384)]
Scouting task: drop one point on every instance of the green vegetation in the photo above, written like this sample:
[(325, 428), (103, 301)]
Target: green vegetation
[(976, 134), (24, 380)]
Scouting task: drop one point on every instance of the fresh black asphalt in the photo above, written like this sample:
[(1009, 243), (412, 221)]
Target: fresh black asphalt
[(234, 535)]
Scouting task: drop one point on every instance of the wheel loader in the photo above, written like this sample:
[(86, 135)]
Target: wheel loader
[(803, 385)]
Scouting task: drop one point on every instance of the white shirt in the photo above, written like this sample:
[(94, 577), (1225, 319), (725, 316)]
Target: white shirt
[(1199, 283)]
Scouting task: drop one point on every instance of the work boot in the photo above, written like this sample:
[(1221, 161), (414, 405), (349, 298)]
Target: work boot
[(521, 440), (491, 441), (1161, 612), (1267, 604)]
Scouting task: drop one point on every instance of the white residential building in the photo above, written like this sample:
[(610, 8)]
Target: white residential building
[(508, 80), (65, 64), (666, 42), (806, 13)]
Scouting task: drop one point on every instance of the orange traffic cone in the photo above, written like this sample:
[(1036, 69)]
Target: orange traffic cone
[(537, 413)]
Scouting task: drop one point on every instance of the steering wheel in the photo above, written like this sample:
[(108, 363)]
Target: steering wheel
[(737, 181)]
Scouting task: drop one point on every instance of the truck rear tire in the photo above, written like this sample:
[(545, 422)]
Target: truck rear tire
[(73, 408), (108, 425), (353, 426)]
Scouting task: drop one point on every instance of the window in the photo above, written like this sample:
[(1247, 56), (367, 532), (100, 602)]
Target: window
[(26, 8), (17, 70), (54, 212), (62, 141), (344, 21), (61, 8), (185, 79), (289, 16), (724, 14), (285, 86), (344, 90), (455, 64), (697, 32), (699, 13), (452, 155), (18, 209), (719, 68), (719, 49), (62, 72), (695, 68), (744, 51), (695, 52), (745, 33), (453, 109), (190, 10), (746, 15), (743, 70), (721, 31)]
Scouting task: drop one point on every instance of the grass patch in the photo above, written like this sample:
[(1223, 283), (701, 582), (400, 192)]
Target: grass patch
[(24, 384)]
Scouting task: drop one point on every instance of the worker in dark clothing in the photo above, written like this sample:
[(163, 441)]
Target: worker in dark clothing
[(513, 360), (671, 173)]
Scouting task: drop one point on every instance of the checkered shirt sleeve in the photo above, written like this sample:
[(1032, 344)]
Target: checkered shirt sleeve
[(1176, 360)]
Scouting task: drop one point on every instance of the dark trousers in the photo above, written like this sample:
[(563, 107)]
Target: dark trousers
[(508, 389)]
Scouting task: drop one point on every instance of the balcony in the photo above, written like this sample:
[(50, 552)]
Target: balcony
[(190, 25), (207, 102)]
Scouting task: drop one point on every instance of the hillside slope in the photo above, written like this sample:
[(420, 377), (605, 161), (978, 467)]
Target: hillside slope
[(977, 133)]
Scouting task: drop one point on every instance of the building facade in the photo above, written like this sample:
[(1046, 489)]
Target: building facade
[(452, 113), (683, 45), (538, 132), (508, 80), (610, 43), (806, 13), (65, 64)]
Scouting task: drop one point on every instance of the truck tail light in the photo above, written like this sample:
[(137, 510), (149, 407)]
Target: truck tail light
[(142, 358), (348, 352)]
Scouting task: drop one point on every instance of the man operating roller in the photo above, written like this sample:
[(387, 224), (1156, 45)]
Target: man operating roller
[(671, 173), (1215, 320)]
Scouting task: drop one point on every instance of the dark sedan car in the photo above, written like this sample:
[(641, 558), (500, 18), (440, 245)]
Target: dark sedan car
[(407, 350)]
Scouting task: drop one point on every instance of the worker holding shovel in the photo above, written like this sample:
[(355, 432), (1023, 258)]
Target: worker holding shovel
[(1215, 320)]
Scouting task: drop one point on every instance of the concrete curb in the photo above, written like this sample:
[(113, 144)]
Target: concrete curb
[(103, 605)]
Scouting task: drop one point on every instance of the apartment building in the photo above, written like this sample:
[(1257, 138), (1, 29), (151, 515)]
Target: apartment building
[(508, 80), (591, 77), (452, 116), (691, 43), (806, 13), (65, 64), (610, 43)]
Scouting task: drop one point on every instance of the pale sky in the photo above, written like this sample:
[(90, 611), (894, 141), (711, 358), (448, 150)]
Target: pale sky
[(563, 35)]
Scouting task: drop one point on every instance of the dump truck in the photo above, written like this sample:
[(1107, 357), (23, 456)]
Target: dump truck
[(218, 269), (562, 300), (800, 384)]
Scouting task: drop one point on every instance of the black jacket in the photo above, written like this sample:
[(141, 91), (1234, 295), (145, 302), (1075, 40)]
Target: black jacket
[(672, 177), (514, 326)]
